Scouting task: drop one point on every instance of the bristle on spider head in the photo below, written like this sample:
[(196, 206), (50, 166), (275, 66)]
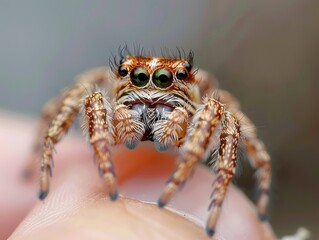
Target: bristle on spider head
[(178, 53), (138, 51)]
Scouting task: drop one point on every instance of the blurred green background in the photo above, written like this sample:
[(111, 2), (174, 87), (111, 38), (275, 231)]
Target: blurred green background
[(265, 52)]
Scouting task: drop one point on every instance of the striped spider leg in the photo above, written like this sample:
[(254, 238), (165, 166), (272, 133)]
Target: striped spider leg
[(57, 117), (197, 144), (53, 110), (107, 127), (104, 126), (59, 121), (258, 156), (260, 160), (98, 123)]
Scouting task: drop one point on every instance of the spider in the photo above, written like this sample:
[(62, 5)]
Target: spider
[(160, 99)]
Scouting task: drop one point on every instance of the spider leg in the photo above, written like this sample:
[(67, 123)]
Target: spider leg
[(169, 131), (194, 147), (60, 122), (52, 108), (260, 160), (98, 120), (58, 127), (227, 156)]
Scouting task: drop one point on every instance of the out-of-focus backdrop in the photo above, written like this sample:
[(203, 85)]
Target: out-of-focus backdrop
[(265, 52)]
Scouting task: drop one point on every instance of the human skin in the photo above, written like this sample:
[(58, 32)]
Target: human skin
[(77, 206)]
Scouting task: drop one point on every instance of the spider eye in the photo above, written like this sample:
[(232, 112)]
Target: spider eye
[(181, 74), (188, 66), (123, 71), (140, 76), (162, 78)]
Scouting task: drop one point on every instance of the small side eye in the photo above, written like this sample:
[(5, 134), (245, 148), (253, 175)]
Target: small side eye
[(188, 66), (181, 74), (123, 71), (162, 78), (139, 76)]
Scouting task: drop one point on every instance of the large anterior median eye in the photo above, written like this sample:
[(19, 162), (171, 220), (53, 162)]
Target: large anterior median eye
[(139, 76), (162, 78)]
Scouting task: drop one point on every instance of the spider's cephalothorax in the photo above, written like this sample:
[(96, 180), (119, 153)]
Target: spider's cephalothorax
[(152, 88), (156, 99)]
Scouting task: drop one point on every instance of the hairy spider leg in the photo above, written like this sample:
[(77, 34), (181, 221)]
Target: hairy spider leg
[(98, 123), (61, 117), (226, 167), (194, 147), (58, 127), (259, 157), (50, 110)]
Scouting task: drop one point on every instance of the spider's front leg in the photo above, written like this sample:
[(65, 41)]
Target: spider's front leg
[(97, 121), (226, 167), (56, 119), (195, 146), (56, 107)]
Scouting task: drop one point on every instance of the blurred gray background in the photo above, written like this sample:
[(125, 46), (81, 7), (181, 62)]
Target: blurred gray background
[(265, 52)]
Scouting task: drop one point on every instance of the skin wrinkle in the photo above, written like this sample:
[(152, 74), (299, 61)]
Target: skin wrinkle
[(142, 218), (133, 209), (191, 217), (146, 220), (130, 213)]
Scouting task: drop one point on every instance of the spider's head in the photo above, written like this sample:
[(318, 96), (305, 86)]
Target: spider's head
[(160, 73)]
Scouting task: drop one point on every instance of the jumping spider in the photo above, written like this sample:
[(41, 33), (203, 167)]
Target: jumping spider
[(157, 99)]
